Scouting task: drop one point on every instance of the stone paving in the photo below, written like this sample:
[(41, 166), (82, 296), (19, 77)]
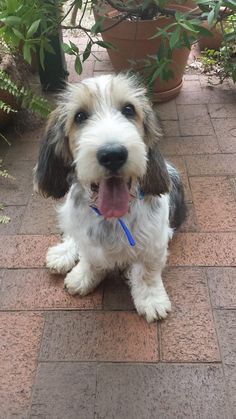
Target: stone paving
[(65, 357)]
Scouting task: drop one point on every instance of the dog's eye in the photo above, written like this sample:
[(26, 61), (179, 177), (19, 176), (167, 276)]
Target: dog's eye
[(81, 117), (128, 111)]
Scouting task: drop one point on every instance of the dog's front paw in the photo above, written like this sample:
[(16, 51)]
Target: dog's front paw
[(62, 257), (80, 280), (153, 307)]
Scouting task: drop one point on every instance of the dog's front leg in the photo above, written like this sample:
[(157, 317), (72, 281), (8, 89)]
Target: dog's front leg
[(83, 278), (148, 292)]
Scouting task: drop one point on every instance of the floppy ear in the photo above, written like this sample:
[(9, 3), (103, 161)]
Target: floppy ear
[(152, 125), (55, 160), (156, 180)]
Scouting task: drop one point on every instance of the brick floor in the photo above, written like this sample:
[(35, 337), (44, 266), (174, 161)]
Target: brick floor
[(94, 357)]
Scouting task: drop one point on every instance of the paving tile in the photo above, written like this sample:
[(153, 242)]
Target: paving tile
[(205, 96), (160, 391), (214, 164), (64, 390), (232, 181), (190, 223), (187, 97), (222, 286), (188, 334), (32, 136), (103, 66), (179, 146), (20, 340), (225, 130), (230, 378), (40, 216), (214, 203), (226, 328), (25, 251), (220, 110), (179, 163), (16, 191), (203, 249), (117, 295), (167, 111), (196, 126), (171, 128), (16, 214), (99, 336), (192, 84), (37, 289), (22, 151), (191, 77), (192, 113)]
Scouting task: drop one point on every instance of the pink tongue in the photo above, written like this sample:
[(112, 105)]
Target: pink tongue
[(113, 198)]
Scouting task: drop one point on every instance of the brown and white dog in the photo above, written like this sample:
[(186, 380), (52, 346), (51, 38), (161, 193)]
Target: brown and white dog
[(100, 146)]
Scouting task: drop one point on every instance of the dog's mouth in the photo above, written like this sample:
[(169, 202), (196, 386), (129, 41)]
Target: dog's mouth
[(113, 196)]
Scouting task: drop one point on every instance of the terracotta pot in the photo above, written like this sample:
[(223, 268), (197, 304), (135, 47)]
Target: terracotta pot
[(6, 64), (211, 42), (131, 39)]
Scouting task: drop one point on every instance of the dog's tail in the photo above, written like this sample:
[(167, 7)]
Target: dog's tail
[(178, 209)]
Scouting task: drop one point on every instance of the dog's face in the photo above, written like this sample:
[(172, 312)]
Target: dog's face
[(104, 130)]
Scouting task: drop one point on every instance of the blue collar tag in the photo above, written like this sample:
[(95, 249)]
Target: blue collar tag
[(123, 225)]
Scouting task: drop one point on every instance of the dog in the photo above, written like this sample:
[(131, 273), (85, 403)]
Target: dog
[(124, 200)]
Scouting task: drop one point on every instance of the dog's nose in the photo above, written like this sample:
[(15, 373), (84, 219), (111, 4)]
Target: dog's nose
[(112, 156)]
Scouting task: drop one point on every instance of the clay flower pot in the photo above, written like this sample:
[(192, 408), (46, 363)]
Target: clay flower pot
[(211, 42), (132, 42)]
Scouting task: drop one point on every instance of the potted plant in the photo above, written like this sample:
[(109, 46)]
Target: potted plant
[(176, 25)]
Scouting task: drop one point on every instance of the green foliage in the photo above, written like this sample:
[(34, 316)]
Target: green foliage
[(4, 219), (31, 23), (24, 96)]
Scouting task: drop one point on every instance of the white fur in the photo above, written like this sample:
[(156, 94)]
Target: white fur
[(101, 245)]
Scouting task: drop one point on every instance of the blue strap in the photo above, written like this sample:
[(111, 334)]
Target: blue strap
[(123, 225)]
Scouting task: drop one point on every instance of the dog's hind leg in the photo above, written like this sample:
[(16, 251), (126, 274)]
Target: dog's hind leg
[(62, 257)]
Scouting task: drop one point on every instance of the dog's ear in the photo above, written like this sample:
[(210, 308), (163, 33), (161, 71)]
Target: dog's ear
[(156, 180), (152, 126), (55, 160)]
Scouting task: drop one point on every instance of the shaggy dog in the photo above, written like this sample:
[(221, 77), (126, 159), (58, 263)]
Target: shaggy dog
[(124, 201)]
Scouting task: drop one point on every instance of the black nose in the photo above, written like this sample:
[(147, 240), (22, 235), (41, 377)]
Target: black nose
[(112, 156)]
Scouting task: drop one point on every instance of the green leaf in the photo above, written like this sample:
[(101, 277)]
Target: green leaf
[(33, 28), (74, 47), (106, 44), (186, 40), (203, 31), (67, 49), (18, 34), (12, 20), (211, 18), (188, 26), (145, 4), (41, 55), (27, 53), (87, 51), (231, 4), (79, 3), (97, 27), (78, 65), (174, 37)]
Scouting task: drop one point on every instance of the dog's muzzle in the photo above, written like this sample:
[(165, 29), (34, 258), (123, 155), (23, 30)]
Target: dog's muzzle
[(112, 156)]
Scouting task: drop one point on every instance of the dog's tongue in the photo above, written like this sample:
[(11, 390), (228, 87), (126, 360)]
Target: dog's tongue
[(113, 198)]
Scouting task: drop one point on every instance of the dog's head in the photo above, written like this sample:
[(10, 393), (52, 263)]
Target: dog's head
[(105, 132)]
